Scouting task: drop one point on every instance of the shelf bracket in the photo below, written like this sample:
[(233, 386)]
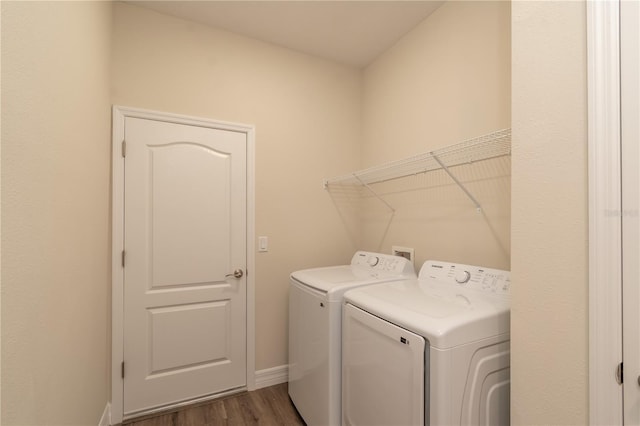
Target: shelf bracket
[(464, 189), (375, 194)]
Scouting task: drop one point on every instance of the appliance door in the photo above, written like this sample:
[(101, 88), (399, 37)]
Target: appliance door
[(383, 372), (309, 353)]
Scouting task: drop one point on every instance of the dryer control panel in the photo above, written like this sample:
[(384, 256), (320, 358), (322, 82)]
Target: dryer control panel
[(473, 277), (383, 263)]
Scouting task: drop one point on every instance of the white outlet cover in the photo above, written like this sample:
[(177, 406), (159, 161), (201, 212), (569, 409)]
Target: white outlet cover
[(407, 252)]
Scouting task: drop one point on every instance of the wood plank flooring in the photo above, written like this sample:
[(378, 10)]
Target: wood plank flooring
[(267, 406)]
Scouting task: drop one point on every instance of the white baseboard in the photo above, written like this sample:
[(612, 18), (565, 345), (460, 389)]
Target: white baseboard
[(264, 378), (105, 420), (272, 376)]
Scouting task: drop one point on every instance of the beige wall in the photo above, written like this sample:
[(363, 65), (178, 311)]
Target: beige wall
[(55, 212), (549, 323), (446, 81), (306, 112)]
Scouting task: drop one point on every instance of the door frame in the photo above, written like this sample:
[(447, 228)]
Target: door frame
[(630, 135), (605, 212), (119, 113)]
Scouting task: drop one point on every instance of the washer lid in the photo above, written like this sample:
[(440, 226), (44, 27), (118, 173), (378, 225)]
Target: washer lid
[(335, 280), (446, 315), (365, 268)]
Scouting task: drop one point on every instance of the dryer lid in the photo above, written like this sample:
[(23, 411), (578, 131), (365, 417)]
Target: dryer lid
[(447, 315)]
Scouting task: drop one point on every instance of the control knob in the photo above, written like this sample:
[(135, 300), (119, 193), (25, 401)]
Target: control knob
[(462, 277), (373, 260)]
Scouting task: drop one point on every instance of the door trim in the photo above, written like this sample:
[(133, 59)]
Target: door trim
[(629, 137), (119, 113), (605, 212)]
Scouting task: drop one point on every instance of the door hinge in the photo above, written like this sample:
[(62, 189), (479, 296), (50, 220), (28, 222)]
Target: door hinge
[(620, 374), (123, 258), (124, 149), (122, 369)]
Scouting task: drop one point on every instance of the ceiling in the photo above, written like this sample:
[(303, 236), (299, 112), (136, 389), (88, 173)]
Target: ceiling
[(350, 32)]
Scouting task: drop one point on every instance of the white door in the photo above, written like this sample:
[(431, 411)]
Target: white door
[(630, 137), (185, 221)]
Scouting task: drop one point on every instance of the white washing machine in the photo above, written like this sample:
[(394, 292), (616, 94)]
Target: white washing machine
[(428, 351), (315, 329)]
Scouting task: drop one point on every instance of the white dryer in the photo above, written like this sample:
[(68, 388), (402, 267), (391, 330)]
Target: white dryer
[(428, 351), (315, 329)]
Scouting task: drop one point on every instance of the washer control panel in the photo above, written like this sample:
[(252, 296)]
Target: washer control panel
[(473, 277), (383, 263)]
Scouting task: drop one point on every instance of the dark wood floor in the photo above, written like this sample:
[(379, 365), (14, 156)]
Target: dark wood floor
[(266, 406)]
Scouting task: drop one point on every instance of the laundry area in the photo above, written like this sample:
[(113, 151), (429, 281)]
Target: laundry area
[(193, 213)]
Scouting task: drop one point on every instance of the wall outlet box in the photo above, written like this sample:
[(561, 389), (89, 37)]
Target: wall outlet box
[(405, 252)]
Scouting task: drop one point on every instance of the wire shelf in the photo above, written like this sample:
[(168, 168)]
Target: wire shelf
[(492, 145)]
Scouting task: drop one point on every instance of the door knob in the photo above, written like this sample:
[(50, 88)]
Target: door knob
[(236, 274)]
